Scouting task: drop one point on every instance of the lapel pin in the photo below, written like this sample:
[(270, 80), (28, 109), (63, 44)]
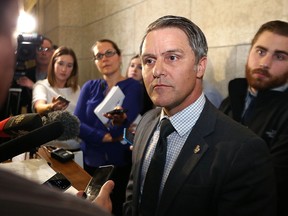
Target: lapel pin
[(197, 149)]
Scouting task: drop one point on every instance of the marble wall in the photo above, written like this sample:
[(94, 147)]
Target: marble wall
[(229, 25)]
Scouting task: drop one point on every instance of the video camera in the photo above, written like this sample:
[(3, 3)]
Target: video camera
[(26, 53)]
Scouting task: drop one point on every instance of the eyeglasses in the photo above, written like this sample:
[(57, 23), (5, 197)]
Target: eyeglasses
[(108, 53), (44, 49)]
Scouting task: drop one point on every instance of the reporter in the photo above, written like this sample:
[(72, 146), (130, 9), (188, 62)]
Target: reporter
[(34, 74), (62, 80), (101, 143), (20, 196)]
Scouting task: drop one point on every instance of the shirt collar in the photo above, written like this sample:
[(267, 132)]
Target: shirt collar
[(184, 120), (279, 88)]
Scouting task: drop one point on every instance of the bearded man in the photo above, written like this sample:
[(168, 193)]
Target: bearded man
[(261, 100)]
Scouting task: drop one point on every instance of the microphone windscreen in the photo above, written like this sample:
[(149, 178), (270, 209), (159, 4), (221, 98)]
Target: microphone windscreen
[(69, 121), (30, 140), (20, 124)]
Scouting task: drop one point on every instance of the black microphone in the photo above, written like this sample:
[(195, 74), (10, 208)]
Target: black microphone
[(20, 124), (70, 122), (30, 140)]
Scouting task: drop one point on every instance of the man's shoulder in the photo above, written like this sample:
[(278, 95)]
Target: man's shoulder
[(223, 125), (237, 86)]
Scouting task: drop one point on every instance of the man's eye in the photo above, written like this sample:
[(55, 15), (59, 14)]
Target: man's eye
[(173, 58), (148, 61), (260, 52), (281, 56)]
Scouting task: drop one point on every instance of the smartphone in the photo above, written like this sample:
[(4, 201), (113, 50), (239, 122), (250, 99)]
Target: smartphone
[(117, 111), (62, 99), (100, 176), (58, 181), (128, 136)]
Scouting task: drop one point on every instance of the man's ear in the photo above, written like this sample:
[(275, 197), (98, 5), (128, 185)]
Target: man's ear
[(201, 67)]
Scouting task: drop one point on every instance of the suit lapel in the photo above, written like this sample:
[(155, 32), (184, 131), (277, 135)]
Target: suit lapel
[(143, 135), (192, 151)]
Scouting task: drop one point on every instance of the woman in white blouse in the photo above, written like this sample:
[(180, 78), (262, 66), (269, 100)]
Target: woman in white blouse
[(62, 80)]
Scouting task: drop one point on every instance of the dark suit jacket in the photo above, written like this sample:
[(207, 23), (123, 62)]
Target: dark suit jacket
[(270, 122), (231, 174)]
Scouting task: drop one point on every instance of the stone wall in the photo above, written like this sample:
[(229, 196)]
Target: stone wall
[(229, 25)]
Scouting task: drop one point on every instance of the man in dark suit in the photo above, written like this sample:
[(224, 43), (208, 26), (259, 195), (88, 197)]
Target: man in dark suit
[(214, 166)]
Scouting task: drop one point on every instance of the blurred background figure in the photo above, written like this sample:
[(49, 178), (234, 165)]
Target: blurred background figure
[(260, 101), (62, 80), (134, 71), (30, 76), (20, 196), (101, 143)]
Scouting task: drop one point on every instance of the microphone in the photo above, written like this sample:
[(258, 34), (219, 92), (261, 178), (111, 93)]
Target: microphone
[(30, 140), (70, 123), (20, 124)]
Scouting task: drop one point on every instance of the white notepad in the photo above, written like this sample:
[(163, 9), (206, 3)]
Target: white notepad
[(114, 98)]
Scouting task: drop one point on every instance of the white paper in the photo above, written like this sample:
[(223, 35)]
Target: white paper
[(114, 98), (36, 170)]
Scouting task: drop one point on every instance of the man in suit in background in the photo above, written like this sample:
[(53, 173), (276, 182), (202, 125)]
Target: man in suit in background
[(214, 166), (260, 101)]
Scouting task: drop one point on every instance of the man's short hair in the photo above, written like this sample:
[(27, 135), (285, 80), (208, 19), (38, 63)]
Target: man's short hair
[(276, 26), (196, 37)]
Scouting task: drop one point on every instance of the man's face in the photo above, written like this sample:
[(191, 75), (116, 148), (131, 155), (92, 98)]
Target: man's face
[(167, 55), (43, 57), (267, 65)]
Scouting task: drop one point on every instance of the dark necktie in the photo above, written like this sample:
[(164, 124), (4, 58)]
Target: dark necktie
[(249, 111), (151, 188)]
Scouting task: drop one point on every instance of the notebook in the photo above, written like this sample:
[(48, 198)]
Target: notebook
[(114, 98)]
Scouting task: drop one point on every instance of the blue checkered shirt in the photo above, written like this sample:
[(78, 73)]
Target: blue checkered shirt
[(183, 123)]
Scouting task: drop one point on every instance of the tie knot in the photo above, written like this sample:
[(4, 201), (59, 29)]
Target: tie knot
[(166, 128)]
